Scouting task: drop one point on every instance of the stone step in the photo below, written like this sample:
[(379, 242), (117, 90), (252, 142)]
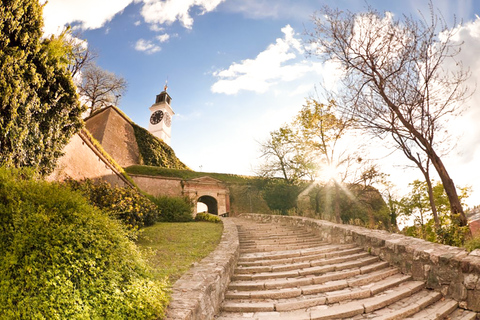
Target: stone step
[(461, 314), (311, 275), (309, 296), (313, 262), (259, 258), (272, 248), (306, 256), (440, 310), (294, 275), (268, 310)]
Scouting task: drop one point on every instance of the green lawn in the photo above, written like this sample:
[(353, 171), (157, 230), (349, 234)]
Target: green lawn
[(172, 248)]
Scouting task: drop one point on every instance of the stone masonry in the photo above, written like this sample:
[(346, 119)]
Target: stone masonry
[(452, 271), (429, 281)]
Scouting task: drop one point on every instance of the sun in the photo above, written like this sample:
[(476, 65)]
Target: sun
[(328, 173)]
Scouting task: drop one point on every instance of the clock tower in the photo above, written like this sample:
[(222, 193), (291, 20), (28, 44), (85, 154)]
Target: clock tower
[(161, 116)]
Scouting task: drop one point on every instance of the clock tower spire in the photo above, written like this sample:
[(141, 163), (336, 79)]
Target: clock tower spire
[(161, 114)]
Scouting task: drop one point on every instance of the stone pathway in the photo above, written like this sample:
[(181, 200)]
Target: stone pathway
[(289, 273)]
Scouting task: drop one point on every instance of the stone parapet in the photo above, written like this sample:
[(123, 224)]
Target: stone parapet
[(450, 270), (197, 295)]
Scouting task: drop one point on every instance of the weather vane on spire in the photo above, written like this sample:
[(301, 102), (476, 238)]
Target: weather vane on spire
[(166, 85)]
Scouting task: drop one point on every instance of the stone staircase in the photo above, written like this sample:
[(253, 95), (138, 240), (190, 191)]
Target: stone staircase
[(286, 272)]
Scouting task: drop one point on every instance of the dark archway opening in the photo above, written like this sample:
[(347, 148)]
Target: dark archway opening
[(211, 204)]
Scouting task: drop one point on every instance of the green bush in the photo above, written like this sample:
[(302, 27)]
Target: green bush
[(472, 244), (125, 204), (204, 216), (61, 258), (174, 209)]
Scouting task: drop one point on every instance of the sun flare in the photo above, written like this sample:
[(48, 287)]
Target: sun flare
[(329, 172)]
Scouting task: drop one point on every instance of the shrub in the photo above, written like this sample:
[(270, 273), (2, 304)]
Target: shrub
[(61, 258), (125, 204), (472, 244), (174, 209), (204, 216)]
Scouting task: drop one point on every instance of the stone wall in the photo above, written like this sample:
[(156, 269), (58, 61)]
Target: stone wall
[(156, 185), (450, 270), (198, 293), (82, 160), (115, 133)]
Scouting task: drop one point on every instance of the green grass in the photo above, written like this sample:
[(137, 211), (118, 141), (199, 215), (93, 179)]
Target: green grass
[(172, 248), (189, 174)]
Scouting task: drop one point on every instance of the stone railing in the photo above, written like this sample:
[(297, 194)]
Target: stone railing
[(199, 292), (452, 271)]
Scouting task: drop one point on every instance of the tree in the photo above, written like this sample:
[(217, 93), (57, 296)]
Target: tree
[(39, 107), (320, 130), (285, 157), (100, 87), (394, 81), (416, 205)]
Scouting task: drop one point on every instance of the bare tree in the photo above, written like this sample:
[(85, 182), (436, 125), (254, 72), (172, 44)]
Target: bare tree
[(100, 87), (394, 80)]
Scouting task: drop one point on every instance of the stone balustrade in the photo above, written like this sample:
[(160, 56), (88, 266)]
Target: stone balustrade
[(450, 270)]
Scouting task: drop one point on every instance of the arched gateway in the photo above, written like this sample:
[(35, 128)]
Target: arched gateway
[(212, 192)]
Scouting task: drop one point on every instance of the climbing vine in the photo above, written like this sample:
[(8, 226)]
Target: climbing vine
[(154, 151)]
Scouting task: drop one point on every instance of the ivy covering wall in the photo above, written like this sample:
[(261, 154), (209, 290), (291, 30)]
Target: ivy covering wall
[(155, 152)]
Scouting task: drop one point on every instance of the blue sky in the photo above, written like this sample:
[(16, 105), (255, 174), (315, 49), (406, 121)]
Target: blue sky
[(237, 70)]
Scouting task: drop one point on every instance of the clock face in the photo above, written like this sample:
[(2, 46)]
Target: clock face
[(156, 117), (168, 120)]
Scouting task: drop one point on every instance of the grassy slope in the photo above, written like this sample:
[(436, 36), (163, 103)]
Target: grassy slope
[(189, 174), (172, 248)]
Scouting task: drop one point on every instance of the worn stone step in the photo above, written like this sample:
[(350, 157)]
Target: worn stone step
[(256, 257), (288, 275), (311, 261), (311, 271), (338, 311), (409, 306), (274, 248), (440, 310), (461, 314), (304, 298), (305, 256)]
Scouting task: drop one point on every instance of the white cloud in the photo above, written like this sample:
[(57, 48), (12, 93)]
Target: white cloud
[(90, 14), (163, 37), (93, 14), (166, 12), (146, 46), (279, 62)]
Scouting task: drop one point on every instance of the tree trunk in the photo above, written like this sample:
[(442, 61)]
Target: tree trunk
[(337, 203), (432, 202), (450, 190)]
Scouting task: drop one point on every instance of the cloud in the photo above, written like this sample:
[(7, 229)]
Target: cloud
[(94, 14), (468, 35), (158, 12), (279, 62), (90, 14), (163, 37), (146, 46)]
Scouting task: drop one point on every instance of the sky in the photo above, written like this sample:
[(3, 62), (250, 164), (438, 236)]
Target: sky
[(238, 69)]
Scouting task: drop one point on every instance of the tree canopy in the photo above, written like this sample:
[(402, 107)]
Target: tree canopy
[(394, 80), (39, 107)]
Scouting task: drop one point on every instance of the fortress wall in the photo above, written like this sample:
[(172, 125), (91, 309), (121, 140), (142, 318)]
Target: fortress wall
[(81, 160), (450, 270), (157, 186), (116, 135)]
